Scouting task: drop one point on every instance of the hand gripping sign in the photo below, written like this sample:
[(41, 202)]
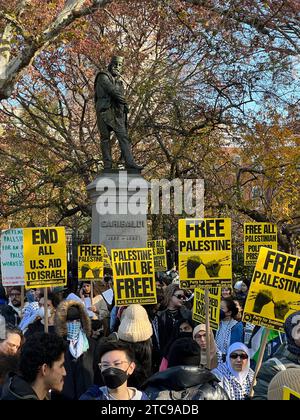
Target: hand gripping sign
[(275, 289), (134, 276), (205, 252)]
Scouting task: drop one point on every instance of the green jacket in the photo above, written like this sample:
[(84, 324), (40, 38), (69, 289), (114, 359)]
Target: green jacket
[(282, 360)]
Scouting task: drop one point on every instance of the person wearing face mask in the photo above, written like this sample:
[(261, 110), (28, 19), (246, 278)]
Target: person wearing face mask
[(183, 329), (230, 331), (38, 318), (116, 366), (235, 374), (73, 324), (166, 321)]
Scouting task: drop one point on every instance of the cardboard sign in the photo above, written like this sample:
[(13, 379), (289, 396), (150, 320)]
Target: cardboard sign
[(159, 253), (205, 252), (134, 276), (257, 235), (90, 262), (45, 257), (12, 258), (214, 306), (290, 395), (275, 289)]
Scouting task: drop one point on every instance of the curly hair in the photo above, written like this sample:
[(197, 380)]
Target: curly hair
[(39, 349)]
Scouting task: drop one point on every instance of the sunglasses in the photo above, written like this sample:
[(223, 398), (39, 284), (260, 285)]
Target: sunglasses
[(180, 296), (241, 356)]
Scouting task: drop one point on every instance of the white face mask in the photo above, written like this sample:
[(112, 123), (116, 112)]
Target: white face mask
[(41, 312)]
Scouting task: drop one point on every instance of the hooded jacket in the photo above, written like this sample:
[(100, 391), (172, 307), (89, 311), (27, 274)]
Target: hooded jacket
[(16, 388), (184, 383), (80, 373), (286, 357)]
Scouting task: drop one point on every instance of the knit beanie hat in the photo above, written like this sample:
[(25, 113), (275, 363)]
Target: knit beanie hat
[(184, 352), (135, 325), (292, 330), (73, 313), (289, 378)]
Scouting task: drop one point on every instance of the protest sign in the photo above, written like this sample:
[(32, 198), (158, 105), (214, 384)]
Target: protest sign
[(199, 308), (134, 276), (159, 253), (290, 395), (90, 262), (12, 258), (45, 257), (257, 235), (275, 289), (205, 252)]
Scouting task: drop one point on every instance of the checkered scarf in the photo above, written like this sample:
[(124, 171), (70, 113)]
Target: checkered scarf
[(236, 390), (223, 335)]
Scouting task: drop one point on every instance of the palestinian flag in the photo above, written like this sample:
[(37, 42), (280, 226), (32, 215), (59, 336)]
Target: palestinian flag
[(256, 341)]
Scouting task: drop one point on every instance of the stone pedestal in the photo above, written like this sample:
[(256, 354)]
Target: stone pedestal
[(119, 209)]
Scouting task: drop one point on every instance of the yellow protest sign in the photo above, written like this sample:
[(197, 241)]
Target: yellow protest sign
[(290, 395), (45, 257), (275, 289), (205, 252), (257, 235), (134, 276), (214, 306), (106, 258), (90, 262), (159, 253)]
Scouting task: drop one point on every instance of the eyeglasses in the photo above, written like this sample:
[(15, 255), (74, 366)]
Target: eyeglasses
[(180, 297), (242, 356), (118, 365)]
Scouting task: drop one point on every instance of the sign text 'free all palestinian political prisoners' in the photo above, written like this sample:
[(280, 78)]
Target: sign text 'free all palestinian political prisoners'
[(257, 235), (134, 276), (45, 257), (214, 306), (275, 289), (90, 262), (205, 252), (12, 258), (159, 253)]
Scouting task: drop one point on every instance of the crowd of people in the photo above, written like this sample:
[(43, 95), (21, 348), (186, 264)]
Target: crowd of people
[(94, 350)]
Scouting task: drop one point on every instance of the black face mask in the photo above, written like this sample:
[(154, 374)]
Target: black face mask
[(185, 334), (222, 314), (114, 377)]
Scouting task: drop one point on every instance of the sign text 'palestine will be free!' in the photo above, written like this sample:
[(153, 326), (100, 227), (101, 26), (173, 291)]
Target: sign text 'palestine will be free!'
[(134, 276), (45, 258)]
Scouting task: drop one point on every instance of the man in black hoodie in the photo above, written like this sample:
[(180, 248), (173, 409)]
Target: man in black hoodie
[(41, 368)]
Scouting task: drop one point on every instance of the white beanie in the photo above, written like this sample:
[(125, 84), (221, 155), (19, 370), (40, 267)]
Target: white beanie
[(135, 325)]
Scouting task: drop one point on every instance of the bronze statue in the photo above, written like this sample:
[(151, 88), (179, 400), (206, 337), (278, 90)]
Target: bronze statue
[(111, 110)]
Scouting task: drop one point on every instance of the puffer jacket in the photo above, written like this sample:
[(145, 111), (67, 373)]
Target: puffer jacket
[(282, 360), (184, 383)]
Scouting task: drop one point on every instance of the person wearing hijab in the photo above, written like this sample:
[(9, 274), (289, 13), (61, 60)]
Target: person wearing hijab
[(235, 374), (199, 335)]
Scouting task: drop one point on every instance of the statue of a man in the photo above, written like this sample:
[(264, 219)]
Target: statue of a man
[(111, 110)]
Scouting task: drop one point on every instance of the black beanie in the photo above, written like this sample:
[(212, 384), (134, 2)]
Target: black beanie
[(184, 352), (73, 313)]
